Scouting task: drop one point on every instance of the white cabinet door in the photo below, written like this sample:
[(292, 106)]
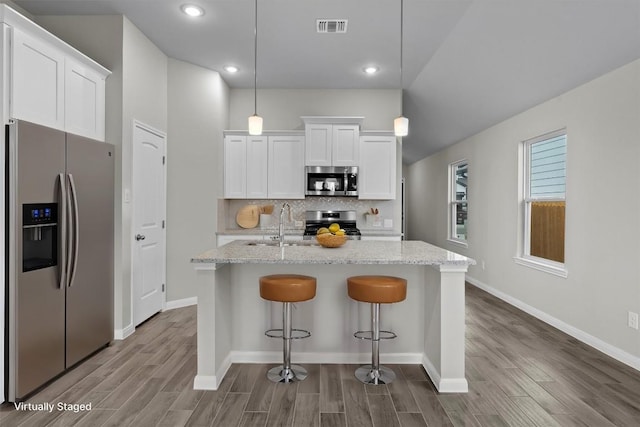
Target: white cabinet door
[(345, 147), (286, 167), (37, 90), (318, 144), (83, 100), (331, 145), (235, 167), (257, 177), (377, 172)]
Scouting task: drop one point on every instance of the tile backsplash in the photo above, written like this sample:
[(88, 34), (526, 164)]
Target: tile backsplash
[(387, 218)]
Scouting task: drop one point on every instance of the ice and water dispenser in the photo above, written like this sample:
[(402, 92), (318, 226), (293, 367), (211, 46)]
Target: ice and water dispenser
[(39, 236)]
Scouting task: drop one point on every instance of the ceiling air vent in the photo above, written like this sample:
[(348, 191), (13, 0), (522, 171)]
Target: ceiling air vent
[(331, 25)]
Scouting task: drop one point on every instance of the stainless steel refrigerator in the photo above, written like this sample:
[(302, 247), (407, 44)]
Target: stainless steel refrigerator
[(60, 253)]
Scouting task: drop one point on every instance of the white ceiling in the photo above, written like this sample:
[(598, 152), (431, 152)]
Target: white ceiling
[(468, 64)]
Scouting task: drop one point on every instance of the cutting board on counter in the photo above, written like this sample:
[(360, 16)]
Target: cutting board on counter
[(248, 216)]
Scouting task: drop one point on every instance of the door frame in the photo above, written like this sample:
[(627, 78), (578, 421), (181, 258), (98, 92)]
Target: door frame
[(134, 162)]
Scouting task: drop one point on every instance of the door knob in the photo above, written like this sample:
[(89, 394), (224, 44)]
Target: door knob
[(140, 237)]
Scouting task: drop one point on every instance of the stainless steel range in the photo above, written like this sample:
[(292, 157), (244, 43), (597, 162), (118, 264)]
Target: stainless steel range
[(318, 219)]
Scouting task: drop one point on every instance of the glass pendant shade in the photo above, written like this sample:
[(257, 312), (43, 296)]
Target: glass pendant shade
[(255, 125), (401, 126)]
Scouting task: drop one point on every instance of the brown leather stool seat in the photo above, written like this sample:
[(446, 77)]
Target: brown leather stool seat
[(287, 289), (376, 290)]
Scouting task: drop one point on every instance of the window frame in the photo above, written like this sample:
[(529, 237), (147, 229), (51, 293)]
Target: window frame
[(452, 203), (524, 257)]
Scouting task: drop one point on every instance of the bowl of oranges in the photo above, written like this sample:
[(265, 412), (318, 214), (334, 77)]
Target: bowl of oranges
[(332, 236)]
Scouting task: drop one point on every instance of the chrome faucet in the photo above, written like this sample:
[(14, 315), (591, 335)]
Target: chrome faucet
[(281, 226)]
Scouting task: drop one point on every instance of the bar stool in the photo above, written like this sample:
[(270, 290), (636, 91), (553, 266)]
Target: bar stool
[(376, 290), (287, 289)]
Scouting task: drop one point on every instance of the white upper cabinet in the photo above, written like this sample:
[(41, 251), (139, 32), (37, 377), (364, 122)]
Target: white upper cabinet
[(235, 167), (257, 167), (377, 172), (286, 167), (245, 167), (37, 90), (318, 144), (345, 145), (51, 83), (263, 167), (84, 101), (332, 141)]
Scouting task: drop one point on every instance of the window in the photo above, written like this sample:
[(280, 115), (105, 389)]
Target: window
[(458, 203), (544, 201)]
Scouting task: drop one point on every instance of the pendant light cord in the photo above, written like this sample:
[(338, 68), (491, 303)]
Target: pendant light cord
[(401, 55), (255, 62)]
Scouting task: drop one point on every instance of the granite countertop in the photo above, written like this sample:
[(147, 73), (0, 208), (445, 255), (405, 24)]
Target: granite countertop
[(353, 252)]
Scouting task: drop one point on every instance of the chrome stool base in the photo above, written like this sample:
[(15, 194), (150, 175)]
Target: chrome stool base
[(383, 375), (279, 374)]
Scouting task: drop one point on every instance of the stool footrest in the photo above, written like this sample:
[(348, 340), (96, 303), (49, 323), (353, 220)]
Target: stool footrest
[(296, 334), (368, 335)]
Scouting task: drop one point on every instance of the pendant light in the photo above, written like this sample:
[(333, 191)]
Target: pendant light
[(401, 124), (255, 121)]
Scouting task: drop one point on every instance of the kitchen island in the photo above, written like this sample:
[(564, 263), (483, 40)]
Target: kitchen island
[(430, 323)]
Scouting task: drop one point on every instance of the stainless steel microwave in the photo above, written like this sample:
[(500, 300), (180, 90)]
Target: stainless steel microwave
[(331, 181)]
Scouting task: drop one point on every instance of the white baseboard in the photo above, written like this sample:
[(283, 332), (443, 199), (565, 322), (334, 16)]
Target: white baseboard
[(205, 382), (212, 382), (341, 358), (597, 343), (451, 385), (120, 334), (179, 303)]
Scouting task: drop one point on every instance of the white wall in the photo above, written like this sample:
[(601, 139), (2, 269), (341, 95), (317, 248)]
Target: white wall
[(198, 113), (281, 108), (144, 98), (602, 228)]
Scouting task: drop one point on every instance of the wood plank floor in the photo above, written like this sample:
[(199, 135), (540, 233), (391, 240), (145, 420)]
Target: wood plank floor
[(521, 372)]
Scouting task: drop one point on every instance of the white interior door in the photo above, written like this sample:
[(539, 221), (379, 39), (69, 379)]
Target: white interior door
[(149, 205)]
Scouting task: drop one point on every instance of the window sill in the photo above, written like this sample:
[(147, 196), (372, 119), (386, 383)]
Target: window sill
[(458, 242), (555, 269)]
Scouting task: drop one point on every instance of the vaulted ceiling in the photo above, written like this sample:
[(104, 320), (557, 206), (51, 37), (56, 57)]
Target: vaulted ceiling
[(467, 64)]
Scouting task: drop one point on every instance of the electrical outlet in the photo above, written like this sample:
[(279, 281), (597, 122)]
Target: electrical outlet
[(483, 264), (632, 320)]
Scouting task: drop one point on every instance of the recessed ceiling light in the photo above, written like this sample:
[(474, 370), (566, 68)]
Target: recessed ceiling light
[(231, 69), (370, 70), (192, 10)]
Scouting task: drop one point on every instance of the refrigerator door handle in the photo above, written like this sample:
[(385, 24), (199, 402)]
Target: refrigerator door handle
[(62, 265), (76, 230)]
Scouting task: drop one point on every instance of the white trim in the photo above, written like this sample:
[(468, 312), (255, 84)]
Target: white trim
[(212, 382), (121, 334), (597, 343), (451, 385), (205, 382), (163, 135), (179, 303), (314, 357), (525, 257), (452, 201), (462, 243), (543, 265)]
